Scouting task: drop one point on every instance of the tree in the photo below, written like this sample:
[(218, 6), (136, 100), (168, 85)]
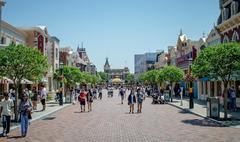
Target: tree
[(218, 62), (19, 62), (172, 74), (103, 77), (72, 75), (151, 77), (130, 79)]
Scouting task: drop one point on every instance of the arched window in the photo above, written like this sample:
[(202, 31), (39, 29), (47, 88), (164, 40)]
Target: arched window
[(225, 39), (234, 8), (225, 14), (235, 36)]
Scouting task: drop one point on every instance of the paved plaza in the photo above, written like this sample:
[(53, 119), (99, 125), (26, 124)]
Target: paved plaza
[(110, 122)]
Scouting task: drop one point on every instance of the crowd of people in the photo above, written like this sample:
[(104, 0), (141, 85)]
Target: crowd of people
[(28, 102), (86, 96)]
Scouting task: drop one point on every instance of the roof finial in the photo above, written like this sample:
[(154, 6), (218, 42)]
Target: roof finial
[(181, 32), (204, 35)]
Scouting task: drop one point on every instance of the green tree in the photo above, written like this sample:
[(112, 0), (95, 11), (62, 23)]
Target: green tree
[(19, 62), (72, 75), (103, 77), (151, 77), (130, 79), (218, 62), (172, 74)]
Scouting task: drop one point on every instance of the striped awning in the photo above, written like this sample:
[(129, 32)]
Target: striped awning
[(5, 80)]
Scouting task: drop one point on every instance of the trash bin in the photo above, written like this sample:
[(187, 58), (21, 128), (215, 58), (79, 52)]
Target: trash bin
[(68, 99), (213, 107), (167, 95)]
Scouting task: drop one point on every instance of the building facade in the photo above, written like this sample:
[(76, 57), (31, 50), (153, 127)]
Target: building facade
[(115, 73), (145, 62), (9, 35)]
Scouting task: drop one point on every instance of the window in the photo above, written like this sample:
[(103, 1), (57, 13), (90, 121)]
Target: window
[(225, 14), (225, 39), (235, 36), (3, 40), (234, 8)]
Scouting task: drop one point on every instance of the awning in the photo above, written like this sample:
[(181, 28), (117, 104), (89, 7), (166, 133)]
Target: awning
[(5, 80), (25, 81), (204, 79)]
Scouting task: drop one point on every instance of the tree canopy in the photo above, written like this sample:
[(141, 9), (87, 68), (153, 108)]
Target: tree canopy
[(172, 74), (219, 61), (18, 62)]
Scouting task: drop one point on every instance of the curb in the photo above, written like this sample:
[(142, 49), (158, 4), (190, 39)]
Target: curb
[(41, 116), (198, 114)]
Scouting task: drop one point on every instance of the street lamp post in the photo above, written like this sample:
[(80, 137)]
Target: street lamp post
[(190, 90), (61, 84), (2, 4)]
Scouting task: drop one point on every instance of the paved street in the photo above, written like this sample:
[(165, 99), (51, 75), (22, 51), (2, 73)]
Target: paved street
[(110, 122)]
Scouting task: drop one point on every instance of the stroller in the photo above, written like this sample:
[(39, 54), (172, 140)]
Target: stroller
[(158, 98)]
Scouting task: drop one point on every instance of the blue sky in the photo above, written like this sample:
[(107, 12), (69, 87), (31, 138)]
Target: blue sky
[(117, 29)]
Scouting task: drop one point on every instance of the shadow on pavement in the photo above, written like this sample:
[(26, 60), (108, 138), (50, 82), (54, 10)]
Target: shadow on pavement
[(14, 137), (202, 122)]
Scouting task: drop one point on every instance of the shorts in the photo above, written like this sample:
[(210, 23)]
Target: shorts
[(43, 101), (82, 103)]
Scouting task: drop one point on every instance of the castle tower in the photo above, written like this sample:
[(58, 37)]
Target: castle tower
[(107, 66)]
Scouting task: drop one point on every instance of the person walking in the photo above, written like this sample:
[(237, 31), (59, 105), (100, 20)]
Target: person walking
[(82, 100), (25, 109), (100, 93), (122, 93), (43, 97), (140, 97), (34, 98), (131, 101), (6, 107), (233, 98), (89, 100)]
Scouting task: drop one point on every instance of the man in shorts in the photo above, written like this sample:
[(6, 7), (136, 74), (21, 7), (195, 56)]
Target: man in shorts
[(82, 100)]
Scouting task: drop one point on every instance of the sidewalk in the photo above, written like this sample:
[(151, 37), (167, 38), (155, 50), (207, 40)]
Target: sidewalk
[(51, 107), (200, 109)]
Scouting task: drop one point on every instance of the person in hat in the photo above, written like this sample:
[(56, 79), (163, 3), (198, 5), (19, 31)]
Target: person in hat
[(6, 107), (25, 109)]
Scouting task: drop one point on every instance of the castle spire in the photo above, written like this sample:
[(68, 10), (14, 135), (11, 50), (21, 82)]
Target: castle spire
[(181, 32)]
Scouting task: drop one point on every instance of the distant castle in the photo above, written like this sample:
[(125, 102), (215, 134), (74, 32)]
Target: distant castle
[(115, 73)]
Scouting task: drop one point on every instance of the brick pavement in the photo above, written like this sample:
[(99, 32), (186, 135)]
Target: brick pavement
[(110, 122)]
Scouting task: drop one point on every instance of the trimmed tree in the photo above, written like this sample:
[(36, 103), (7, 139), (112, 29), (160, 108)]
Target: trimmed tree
[(19, 62), (103, 77), (172, 74), (218, 62), (130, 79)]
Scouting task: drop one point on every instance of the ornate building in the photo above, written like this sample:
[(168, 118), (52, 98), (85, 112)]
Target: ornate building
[(115, 73), (229, 20)]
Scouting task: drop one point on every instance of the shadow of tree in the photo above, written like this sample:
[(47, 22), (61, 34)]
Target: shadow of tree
[(202, 122)]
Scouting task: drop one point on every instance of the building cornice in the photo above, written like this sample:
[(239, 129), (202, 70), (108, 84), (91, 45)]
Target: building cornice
[(13, 29), (230, 23)]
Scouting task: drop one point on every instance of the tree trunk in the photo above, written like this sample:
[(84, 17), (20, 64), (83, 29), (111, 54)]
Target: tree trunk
[(170, 92), (225, 100), (16, 85)]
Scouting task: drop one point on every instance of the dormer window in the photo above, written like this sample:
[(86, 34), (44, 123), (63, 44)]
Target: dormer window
[(235, 36), (225, 39)]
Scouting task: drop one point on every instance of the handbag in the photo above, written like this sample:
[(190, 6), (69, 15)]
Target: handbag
[(29, 115)]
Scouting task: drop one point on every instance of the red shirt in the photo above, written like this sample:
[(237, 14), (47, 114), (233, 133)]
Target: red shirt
[(82, 96)]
